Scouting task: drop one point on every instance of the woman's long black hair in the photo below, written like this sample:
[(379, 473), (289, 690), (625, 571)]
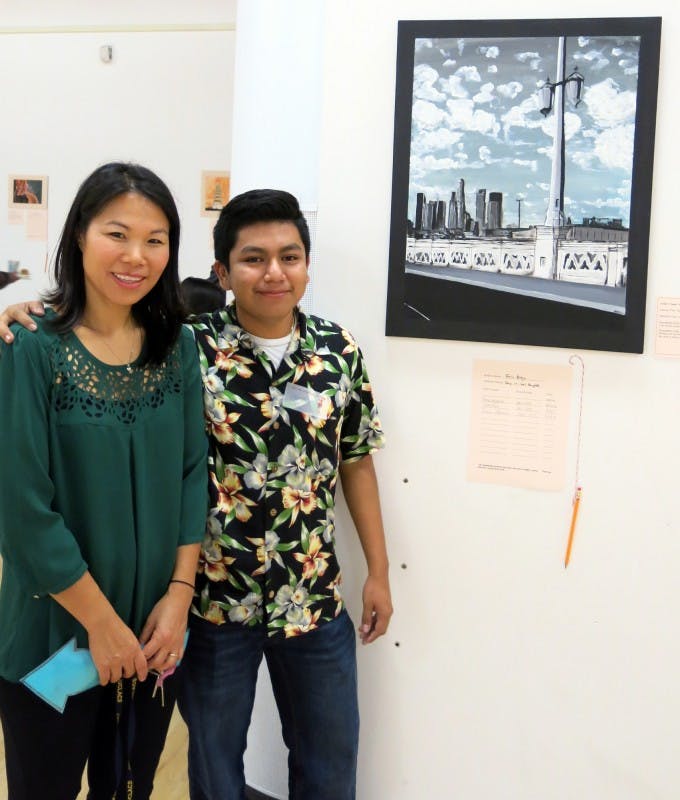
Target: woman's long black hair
[(160, 312)]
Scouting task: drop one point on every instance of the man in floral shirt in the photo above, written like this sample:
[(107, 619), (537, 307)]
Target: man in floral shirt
[(289, 408)]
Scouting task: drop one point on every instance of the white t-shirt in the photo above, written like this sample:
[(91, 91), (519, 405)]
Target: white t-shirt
[(274, 348)]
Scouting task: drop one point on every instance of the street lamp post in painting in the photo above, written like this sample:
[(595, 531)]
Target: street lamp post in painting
[(552, 97)]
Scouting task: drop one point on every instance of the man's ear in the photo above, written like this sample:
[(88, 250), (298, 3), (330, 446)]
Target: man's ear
[(223, 275)]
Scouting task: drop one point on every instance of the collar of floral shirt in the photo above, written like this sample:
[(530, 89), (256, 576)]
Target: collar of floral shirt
[(300, 338)]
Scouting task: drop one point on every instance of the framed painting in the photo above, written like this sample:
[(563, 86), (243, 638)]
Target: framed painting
[(27, 192), (522, 176), (214, 192)]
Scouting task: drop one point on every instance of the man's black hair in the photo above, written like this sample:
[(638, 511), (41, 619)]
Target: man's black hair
[(249, 208)]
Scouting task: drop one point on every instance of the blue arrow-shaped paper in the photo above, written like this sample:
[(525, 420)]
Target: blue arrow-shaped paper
[(69, 671)]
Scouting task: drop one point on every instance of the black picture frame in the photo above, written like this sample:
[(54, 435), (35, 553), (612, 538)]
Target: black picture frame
[(421, 303)]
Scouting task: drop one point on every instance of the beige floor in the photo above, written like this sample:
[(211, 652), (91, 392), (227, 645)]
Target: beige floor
[(171, 778)]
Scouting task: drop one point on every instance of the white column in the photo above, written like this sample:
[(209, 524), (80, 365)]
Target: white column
[(277, 96), (276, 135)]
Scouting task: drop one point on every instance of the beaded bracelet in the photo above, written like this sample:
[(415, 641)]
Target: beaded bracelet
[(186, 583)]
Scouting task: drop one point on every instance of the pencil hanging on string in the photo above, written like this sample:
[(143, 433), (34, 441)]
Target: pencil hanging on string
[(574, 514), (576, 499)]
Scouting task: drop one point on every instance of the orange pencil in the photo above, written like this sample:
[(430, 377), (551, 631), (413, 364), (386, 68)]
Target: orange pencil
[(574, 514)]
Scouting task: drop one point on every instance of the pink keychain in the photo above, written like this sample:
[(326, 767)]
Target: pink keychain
[(160, 677), (166, 673)]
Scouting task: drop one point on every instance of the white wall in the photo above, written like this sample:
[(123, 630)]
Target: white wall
[(51, 13), (513, 678), (165, 101)]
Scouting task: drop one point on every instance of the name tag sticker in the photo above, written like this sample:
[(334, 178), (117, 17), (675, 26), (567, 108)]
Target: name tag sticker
[(307, 401)]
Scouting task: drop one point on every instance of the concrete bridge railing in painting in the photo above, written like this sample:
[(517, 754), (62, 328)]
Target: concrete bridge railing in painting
[(592, 262)]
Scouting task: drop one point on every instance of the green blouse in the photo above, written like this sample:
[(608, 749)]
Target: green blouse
[(101, 468)]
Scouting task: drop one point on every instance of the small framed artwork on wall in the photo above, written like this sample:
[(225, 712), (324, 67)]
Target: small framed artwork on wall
[(214, 192), (27, 192)]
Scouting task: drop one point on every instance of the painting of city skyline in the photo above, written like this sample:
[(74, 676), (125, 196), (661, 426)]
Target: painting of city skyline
[(523, 156)]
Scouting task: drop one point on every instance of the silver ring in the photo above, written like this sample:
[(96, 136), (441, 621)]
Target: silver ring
[(172, 655)]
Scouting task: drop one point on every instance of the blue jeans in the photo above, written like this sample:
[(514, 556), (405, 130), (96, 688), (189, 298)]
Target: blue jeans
[(314, 680)]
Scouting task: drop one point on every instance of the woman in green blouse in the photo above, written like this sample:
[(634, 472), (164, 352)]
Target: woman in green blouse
[(102, 494)]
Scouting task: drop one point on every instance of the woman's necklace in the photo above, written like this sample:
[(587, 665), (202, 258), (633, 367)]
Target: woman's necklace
[(136, 345), (127, 366)]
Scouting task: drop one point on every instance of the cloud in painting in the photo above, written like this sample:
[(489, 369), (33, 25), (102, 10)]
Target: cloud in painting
[(608, 106), (594, 59), (611, 149), (614, 147), (490, 51), (465, 117), (523, 115), (440, 139), (533, 59), (427, 116), (485, 94), (509, 90), (424, 78), (572, 125)]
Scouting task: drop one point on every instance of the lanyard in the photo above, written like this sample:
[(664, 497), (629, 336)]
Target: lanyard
[(125, 736)]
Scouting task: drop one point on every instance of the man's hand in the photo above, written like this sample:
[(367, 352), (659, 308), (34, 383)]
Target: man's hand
[(19, 312), (360, 487), (377, 609)]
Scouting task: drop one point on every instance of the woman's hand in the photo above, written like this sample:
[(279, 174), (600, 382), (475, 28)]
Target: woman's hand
[(116, 651), (114, 648), (162, 637), (19, 312)]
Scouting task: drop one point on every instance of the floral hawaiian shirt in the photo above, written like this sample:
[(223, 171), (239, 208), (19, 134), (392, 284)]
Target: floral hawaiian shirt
[(277, 436)]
